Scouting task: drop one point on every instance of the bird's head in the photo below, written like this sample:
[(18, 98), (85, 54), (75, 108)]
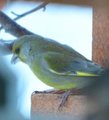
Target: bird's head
[(18, 50), (25, 47)]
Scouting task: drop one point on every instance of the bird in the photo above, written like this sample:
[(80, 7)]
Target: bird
[(55, 64)]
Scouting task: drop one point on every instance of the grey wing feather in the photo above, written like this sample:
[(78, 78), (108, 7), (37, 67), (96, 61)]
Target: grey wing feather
[(86, 66), (63, 64)]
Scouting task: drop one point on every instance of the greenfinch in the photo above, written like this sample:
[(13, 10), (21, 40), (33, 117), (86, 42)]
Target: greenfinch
[(55, 64)]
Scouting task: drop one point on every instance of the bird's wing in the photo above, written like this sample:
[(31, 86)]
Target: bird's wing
[(66, 65)]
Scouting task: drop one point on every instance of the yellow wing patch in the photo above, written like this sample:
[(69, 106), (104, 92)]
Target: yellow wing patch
[(78, 73)]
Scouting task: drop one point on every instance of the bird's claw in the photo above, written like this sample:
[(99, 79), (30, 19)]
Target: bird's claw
[(64, 98)]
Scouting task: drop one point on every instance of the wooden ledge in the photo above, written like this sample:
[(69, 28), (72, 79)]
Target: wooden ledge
[(45, 106)]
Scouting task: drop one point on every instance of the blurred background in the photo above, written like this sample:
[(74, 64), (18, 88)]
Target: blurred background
[(68, 24)]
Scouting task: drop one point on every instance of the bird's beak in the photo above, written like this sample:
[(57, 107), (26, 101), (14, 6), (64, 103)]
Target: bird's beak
[(14, 59)]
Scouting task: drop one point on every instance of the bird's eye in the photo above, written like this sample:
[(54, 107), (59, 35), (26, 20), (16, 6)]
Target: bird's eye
[(17, 50)]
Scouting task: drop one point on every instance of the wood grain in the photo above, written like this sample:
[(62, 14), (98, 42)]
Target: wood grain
[(46, 106), (100, 53)]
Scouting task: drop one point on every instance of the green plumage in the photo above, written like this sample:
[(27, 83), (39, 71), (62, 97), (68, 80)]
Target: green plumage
[(55, 64)]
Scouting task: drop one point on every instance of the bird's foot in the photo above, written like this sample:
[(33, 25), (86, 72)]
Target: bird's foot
[(50, 91), (66, 94), (64, 98), (58, 91)]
